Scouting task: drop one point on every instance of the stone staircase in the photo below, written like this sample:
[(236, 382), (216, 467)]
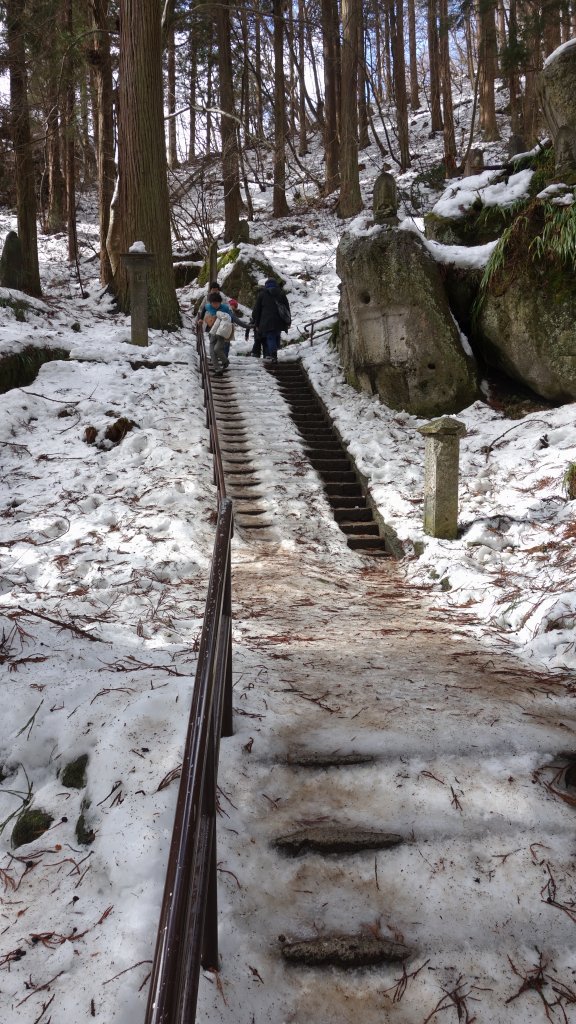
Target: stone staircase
[(331, 461)]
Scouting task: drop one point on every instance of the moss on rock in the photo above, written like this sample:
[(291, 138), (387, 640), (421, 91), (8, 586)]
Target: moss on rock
[(74, 773), (20, 368), (30, 824)]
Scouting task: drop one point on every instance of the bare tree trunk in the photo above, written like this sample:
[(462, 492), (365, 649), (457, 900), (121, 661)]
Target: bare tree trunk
[(69, 125), (302, 134), (414, 93), (279, 205), (396, 14), (446, 80), (363, 137), (171, 76), (434, 59), (143, 206), (551, 19), (350, 201), (228, 129), (331, 142), (488, 61), (101, 62), (55, 217), (22, 143), (193, 56)]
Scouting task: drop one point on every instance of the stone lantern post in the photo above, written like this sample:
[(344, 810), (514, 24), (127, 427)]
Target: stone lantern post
[(441, 476), (137, 263)]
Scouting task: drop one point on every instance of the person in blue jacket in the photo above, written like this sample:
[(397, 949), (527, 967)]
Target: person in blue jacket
[(219, 345), (271, 316)]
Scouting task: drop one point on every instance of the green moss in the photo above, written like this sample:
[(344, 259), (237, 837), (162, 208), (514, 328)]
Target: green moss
[(539, 247), (20, 368), (569, 481), (84, 835), (334, 335), (18, 305), (30, 825), (74, 774), (351, 379)]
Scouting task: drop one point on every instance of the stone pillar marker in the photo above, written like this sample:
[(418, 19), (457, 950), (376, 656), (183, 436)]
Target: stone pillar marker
[(137, 262), (441, 476)]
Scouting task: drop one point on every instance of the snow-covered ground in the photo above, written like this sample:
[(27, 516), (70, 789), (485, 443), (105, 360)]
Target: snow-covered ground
[(105, 555)]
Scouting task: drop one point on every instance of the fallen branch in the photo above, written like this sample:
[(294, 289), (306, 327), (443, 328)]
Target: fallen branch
[(62, 625)]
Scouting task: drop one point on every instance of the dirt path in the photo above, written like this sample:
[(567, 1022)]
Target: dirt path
[(335, 654)]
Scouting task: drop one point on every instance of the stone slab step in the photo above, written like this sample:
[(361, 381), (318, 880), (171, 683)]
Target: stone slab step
[(331, 759), (366, 529), (365, 543), (344, 490), (352, 516), (335, 839), (341, 501), (346, 951)]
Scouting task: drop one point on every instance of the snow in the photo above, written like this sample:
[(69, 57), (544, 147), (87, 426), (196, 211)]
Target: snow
[(454, 669)]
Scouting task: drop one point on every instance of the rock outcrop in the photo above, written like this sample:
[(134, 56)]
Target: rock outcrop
[(557, 88), (397, 336)]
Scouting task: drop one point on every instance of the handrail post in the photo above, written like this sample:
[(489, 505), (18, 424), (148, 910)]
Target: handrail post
[(227, 713), (210, 930)]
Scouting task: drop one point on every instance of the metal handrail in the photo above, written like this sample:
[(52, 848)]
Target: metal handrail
[(320, 320), (188, 929), (214, 444)]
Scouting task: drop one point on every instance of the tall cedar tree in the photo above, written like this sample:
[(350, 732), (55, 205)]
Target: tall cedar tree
[(330, 32), (350, 201), (228, 125), (143, 207), (101, 64), (22, 142), (279, 204)]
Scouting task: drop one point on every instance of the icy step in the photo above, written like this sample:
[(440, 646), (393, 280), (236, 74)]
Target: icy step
[(335, 839), (344, 951)]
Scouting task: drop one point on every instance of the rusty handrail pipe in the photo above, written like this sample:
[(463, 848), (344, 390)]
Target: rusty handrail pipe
[(320, 320), (187, 936), (214, 447)]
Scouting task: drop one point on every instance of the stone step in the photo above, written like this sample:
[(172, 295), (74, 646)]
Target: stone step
[(347, 476), (346, 502), (335, 839), (366, 543), (331, 465), (366, 529), (352, 516), (331, 759), (348, 951), (348, 490)]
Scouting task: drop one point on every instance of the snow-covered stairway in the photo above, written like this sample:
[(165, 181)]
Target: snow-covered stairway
[(360, 711)]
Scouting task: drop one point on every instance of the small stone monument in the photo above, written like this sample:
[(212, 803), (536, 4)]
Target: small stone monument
[(137, 262), (441, 476), (385, 199), (474, 163), (12, 263)]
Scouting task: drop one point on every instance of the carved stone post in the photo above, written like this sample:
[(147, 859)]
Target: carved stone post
[(441, 476), (137, 263)]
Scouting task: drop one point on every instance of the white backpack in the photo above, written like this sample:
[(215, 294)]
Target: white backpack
[(222, 326)]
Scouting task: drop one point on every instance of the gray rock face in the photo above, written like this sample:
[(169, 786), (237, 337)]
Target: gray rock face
[(397, 337), (557, 88), (529, 331)]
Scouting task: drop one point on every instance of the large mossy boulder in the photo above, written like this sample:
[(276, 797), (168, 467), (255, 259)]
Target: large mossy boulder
[(527, 322), (397, 336), (557, 88), (240, 269)]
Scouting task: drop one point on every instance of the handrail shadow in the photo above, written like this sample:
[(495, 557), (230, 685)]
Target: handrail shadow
[(188, 929)]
